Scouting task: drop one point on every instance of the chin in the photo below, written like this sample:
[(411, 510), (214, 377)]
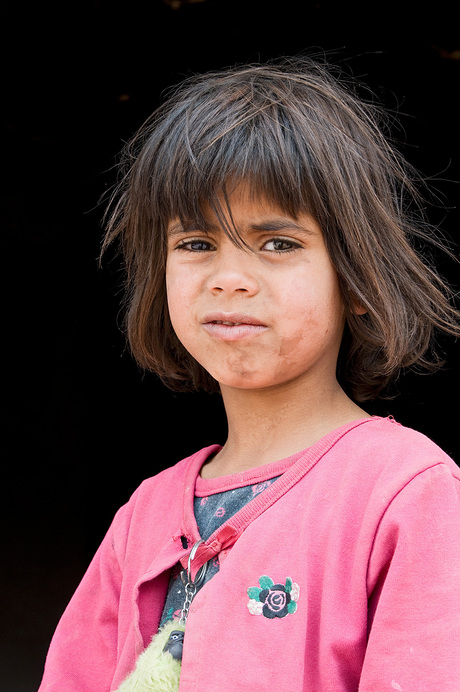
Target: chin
[(249, 382), (243, 380)]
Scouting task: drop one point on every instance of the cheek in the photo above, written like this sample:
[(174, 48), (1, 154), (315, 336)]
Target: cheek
[(315, 314), (177, 296), (184, 284)]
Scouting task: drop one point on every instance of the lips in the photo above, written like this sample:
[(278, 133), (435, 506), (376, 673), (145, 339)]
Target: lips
[(232, 326), (229, 324), (232, 319)]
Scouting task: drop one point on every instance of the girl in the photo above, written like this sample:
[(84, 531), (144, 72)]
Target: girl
[(267, 230)]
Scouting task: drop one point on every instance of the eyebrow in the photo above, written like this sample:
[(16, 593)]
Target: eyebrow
[(273, 225), (175, 229)]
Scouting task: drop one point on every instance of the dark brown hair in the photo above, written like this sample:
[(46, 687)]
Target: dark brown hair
[(305, 142)]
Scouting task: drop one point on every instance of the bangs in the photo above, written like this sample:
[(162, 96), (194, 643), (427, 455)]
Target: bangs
[(200, 150), (298, 140)]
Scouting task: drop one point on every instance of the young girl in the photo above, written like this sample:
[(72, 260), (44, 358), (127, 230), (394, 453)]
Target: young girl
[(267, 230)]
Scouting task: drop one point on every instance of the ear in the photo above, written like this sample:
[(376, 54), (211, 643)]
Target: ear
[(358, 309)]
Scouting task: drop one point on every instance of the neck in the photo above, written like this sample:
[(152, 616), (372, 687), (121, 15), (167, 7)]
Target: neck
[(269, 425)]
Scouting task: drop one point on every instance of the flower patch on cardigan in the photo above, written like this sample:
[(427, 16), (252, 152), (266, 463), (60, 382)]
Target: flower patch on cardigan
[(273, 600)]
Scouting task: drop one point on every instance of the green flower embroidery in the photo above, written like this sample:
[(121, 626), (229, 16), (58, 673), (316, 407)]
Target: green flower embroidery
[(273, 600)]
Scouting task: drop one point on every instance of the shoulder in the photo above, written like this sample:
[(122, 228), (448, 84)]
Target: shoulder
[(185, 470), (384, 443), (171, 479), (416, 499), (161, 495), (380, 458)]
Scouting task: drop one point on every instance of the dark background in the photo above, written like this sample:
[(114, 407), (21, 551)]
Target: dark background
[(83, 425)]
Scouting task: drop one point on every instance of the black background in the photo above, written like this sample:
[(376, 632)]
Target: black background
[(83, 425)]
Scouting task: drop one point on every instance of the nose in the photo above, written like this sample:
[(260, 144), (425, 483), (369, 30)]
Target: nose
[(233, 271)]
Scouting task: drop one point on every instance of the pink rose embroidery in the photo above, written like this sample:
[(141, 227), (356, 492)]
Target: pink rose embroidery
[(273, 600)]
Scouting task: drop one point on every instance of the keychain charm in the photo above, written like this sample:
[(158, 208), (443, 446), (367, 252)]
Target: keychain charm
[(175, 643), (158, 667)]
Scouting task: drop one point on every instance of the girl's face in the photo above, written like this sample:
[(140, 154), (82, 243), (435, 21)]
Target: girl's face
[(257, 319)]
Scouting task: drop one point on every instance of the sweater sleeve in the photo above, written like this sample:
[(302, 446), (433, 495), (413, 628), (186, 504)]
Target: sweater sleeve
[(82, 654), (414, 586)]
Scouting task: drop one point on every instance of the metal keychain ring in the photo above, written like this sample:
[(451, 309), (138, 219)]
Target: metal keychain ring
[(201, 574)]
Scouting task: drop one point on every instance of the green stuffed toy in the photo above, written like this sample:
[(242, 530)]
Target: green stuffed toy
[(158, 667)]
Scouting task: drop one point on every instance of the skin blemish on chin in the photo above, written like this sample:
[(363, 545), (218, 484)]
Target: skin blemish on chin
[(240, 365), (288, 345)]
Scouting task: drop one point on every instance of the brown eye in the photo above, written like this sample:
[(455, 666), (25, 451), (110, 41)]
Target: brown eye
[(195, 246), (280, 245)]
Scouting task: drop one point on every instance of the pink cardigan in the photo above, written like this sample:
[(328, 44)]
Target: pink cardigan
[(344, 575)]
